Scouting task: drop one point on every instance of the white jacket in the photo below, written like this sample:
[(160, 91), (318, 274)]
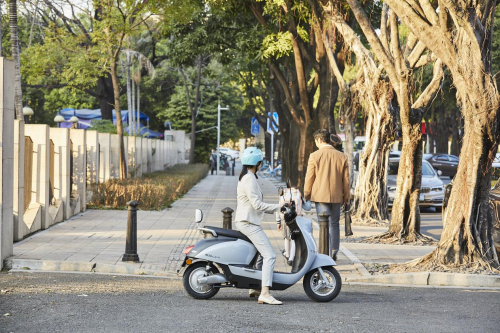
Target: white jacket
[(251, 207)]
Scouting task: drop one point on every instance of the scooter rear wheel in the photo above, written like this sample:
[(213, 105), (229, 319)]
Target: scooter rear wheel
[(317, 289), (191, 285)]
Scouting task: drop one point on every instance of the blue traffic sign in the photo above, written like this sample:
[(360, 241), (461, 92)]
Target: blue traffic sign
[(255, 127), (274, 124)]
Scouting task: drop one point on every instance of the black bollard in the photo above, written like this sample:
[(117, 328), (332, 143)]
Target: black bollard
[(131, 245), (227, 218), (323, 232), (234, 162)]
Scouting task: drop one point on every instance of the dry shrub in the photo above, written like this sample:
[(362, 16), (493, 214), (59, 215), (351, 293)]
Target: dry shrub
[(154, 191)]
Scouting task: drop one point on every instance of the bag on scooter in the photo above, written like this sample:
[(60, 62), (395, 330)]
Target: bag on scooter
[(348, 230)]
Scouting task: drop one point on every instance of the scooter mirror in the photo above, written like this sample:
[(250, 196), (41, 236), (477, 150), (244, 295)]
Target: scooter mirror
[(288, 183), (198, 216)]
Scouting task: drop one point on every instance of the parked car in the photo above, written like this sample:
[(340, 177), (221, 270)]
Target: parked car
[(496, 161), (447, 164), (494, 205), (431, 190), (234, 154)]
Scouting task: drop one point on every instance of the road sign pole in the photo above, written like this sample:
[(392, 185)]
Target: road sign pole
[(272, 150)]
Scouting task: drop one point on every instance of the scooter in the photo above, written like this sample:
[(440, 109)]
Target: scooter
[(227, 258)]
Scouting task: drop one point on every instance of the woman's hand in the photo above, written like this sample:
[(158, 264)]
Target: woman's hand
[(279, 226)]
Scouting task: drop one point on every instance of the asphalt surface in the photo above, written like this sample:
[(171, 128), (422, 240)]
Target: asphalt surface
[(56, 302)]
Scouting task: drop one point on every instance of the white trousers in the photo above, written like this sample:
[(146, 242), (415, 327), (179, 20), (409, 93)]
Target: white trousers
[(263, 245)]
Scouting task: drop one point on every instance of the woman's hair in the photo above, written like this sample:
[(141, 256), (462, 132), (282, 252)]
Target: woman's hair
[(244, 171)]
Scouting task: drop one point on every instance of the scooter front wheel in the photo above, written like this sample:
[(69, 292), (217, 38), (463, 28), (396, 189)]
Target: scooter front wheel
[(322, 289), (191, 285)]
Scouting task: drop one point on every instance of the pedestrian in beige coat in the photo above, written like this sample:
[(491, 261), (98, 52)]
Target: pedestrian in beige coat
[(327, 184)]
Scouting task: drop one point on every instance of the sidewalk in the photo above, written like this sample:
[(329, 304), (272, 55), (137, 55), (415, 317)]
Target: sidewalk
[(95, 240)]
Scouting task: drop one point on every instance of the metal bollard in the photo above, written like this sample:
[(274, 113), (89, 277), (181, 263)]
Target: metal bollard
[(227, 218), (232, 172), (131, 245), (323, 233)]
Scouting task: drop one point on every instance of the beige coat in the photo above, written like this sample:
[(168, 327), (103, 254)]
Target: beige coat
[(250, 201), (327, 177)]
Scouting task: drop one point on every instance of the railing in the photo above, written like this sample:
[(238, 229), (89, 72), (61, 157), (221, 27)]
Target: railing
[(28, 170), (51, 170)]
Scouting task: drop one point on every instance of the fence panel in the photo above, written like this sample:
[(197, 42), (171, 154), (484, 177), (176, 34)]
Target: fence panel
[(28, 170), (51, 170)]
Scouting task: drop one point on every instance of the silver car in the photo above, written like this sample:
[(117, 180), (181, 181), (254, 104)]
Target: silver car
[(431, 190)]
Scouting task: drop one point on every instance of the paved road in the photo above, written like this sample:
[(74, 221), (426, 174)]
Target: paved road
[(55, 302)]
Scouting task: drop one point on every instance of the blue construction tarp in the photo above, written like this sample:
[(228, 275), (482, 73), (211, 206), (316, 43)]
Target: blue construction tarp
[(85, 117)]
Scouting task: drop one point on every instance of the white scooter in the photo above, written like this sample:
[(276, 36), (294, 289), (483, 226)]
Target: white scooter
[(226, 259)]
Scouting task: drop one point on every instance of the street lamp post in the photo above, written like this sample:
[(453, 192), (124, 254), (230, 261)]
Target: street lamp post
[(74, 119), (27, 112), (218, 134)]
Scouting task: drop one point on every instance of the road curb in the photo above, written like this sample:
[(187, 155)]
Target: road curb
[(88, 267), (438, 279)]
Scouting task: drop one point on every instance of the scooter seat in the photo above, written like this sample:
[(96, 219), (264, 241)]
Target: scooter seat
[(229, 233)]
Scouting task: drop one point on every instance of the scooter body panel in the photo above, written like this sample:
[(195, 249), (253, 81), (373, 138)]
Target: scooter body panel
[(322, 260), (237, 252)]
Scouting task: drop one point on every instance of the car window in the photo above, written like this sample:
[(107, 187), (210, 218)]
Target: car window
[(427, 170), (442, 158), (393, 168), (453, 158)]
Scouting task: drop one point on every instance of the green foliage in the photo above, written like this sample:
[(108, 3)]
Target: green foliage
[(496, 44), (217, 87), (277, 45), (103, 126)]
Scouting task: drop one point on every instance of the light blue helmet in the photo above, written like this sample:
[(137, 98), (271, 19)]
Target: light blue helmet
[(251, 156)]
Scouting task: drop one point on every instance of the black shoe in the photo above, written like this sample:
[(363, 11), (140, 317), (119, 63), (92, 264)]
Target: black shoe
[(334, 257), (289, 262)]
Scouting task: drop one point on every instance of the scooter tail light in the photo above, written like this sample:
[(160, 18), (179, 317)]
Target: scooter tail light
[(188, 249)]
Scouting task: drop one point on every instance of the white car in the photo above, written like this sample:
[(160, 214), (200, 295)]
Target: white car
[(431, 190), (234, 154), (496, 161)]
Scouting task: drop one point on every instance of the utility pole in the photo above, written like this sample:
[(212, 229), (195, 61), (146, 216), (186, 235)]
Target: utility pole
[(218, 134)]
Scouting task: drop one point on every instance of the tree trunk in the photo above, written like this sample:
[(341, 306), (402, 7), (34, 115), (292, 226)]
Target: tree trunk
[(405, 215), (18, 94), (457, 129), (463, 40), (105, 97), (119, 124), (129, 95), (370, 200), (134, 115), (467, 231), (328, 92), (305, 148), (194, 109)]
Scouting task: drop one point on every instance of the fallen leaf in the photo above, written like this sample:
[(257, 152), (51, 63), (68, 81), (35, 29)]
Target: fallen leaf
[(6, 314)]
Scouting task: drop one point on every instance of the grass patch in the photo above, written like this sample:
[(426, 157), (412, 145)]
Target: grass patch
[(154, 191)]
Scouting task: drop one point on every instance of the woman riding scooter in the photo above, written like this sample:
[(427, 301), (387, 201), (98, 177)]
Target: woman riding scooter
[(249, 214)]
